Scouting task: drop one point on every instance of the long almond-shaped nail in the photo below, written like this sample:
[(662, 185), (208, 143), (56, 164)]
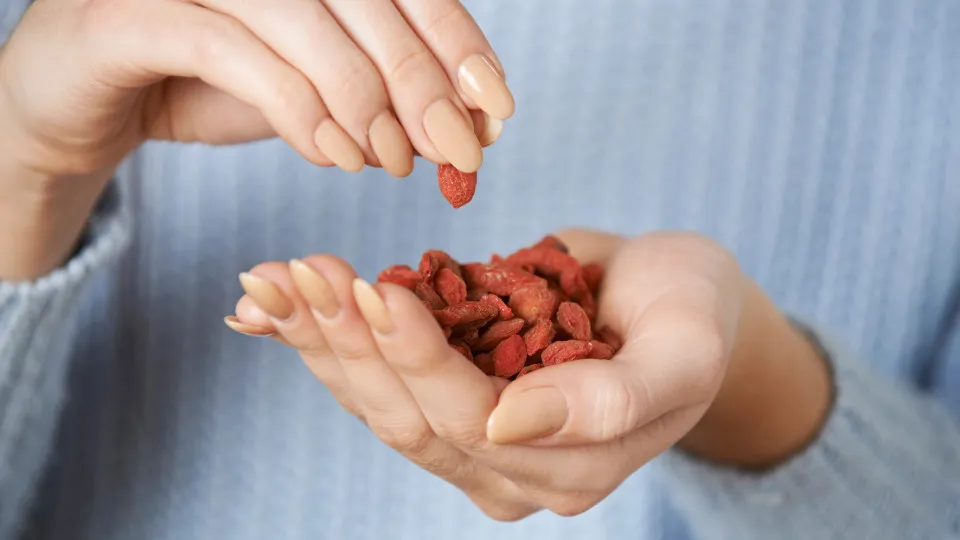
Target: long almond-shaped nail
[(482, 83), (489, 129), (247, 329), (372, 307), (530, 415), (316, 290), (334, 142), (391, 145), (267, 295), (452, 135)]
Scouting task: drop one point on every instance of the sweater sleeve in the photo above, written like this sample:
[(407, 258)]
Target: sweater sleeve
[(886, 465), (37, 323)]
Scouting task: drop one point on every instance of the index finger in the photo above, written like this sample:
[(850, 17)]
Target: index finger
[(450, 32)]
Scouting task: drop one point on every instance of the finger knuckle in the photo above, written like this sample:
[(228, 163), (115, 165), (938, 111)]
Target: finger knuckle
[(462, 434), (215, 40), (414, 442), (618, 409), (352, 353), (409, 64)]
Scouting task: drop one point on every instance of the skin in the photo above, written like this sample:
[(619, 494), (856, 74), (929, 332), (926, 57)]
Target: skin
[(709, 365), (343, 82)]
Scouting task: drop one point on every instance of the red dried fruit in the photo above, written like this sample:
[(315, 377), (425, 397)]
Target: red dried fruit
[(560, 352), (484, 361), (497, 332), (509, 357), (502, 280), (466, 312), (539, 336), (574, 321), (546, 261), (611, 338), (426, 293), (552, 242), (532, 302), (505, 312), (457, 187), (400, 274), (601, 351), (450, 287), (528, 369), (593, 275)]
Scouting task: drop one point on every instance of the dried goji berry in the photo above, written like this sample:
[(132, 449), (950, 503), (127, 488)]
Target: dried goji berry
[(450, 287), (458, 187), (546, 261), (497, 332), (484, 361), (400, 274), (505, 312), (528, 369), (509, 357), (502, 280), (552, 242), (532, 302), (574, 321), (611, 338), (593, 276), (600, 350), (426, 293), (466, 312), (560, 352), (539, 336)]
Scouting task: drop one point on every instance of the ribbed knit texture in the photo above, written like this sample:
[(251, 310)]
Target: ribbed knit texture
[(815, 138)]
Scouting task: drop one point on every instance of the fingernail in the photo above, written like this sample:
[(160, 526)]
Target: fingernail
[(391, 145), (316, 290), (267, 295), (246, 329), (372, 307), (452, 136), (531, 415), (334, 142), (481, 81), (490, 130)]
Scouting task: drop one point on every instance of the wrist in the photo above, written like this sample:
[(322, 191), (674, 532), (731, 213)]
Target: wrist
[(42, 216), (775, 397)]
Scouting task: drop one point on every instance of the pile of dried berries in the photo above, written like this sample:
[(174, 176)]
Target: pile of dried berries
[(456, 186), (517, 314)]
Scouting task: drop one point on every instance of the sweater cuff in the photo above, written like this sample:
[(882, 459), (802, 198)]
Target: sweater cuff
[(883, 466), (37, 323)]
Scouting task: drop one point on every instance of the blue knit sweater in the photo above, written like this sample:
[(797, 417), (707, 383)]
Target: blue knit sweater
[(818, 139)]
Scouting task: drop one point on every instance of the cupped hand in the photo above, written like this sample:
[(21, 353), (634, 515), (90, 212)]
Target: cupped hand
[(82, 83), (560, 438)]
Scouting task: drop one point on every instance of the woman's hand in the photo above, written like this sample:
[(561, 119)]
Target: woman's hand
[(344, 82), (564, 437), (84, 82)]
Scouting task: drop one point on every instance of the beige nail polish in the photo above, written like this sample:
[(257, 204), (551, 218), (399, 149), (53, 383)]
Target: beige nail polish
[(316, 290), (452, 135), (247, 329), (267, 296), (391, 145), (372, 307), (481, 81), (530, 415), (334, 142), (490, 130)]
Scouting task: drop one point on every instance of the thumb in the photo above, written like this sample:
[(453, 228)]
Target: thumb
[(579, 402)]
